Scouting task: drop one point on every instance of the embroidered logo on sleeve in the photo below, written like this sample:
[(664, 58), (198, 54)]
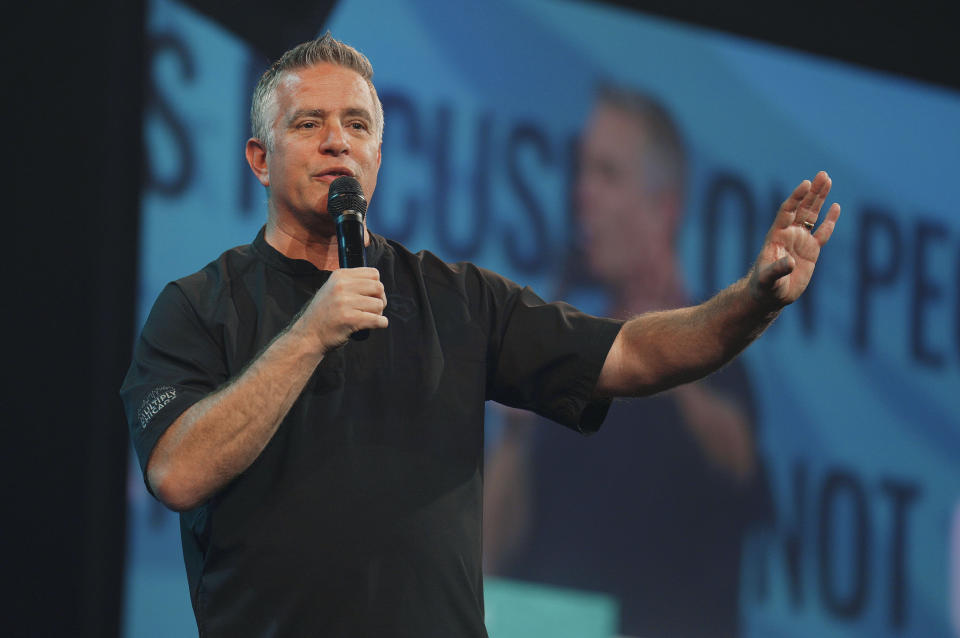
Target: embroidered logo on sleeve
[(158, 398)]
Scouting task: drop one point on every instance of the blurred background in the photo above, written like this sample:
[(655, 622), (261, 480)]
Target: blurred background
[(622, 156)]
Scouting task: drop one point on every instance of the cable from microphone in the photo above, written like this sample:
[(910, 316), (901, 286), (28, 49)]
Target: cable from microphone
[(347, 205)]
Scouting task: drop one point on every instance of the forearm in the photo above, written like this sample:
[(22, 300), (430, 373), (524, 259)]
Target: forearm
[(221, 435), (660, 350)]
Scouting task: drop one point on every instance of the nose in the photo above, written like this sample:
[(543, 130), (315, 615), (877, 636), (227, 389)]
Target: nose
[(334, 142)]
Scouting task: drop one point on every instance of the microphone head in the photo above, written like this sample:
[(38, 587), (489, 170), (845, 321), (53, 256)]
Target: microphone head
[(345, 193)]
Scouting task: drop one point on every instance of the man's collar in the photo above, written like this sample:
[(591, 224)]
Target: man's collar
[(278, 260)]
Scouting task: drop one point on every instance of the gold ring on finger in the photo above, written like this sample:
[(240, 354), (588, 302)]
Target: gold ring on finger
[(808, 225)]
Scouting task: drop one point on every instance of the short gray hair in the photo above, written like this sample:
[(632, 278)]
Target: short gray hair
[(303, 56)]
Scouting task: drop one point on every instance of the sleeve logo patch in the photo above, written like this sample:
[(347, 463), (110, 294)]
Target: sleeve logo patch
[(158, 398)]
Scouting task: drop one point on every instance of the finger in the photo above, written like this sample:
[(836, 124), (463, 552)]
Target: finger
[(368, 283), (362, 272), (364, 320), (369, 304), (360, 317), (350, 280), (809, 200), (809, 209), (363, 286), (788, 210), (371, 288), (826, 228), (769, 273)]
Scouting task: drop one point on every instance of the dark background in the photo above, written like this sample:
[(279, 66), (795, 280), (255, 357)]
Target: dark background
[(74, 156)]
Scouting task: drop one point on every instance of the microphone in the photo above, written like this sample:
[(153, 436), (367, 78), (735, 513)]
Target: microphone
[(347, 205)]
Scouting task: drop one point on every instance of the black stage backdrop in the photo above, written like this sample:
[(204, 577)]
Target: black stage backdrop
[(72, 145), (73, 158)]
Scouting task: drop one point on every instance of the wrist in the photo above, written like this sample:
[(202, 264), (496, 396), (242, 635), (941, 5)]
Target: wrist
[(305, 339), (762, 300)]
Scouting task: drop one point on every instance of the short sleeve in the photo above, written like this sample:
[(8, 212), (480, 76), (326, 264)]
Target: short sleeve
[(176, 362), (549, 360)]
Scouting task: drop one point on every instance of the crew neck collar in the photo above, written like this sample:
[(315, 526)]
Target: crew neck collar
[(278, 260)]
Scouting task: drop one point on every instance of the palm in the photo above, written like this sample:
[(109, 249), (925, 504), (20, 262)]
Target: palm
[(790, 251)]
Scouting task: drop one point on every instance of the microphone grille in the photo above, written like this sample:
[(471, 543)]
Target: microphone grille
[(345, 194)]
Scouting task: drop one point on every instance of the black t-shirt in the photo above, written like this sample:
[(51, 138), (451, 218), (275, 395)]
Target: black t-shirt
[(362, 515)]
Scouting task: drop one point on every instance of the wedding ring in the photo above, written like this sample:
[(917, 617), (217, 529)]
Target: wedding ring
[(808, 225)]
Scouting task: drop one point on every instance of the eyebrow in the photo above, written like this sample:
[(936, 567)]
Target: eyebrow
[(321, 113)]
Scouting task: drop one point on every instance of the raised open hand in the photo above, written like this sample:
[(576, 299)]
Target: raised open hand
[(792, 246)]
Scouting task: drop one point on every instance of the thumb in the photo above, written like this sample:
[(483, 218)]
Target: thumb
[(769, 273)]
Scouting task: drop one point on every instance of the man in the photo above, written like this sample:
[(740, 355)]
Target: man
[(333, 488), (665, 492)]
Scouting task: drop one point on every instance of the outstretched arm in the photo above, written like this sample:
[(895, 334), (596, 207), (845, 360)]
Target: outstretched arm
[(659, 350)]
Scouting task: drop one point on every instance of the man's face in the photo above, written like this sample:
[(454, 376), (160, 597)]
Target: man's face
[(628, 230), (323, 128)]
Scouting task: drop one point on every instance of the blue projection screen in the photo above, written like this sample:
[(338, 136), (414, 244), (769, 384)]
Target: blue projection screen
[(854, 392)]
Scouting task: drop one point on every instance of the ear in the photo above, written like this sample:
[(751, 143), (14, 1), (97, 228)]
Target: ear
[(257, 159), (373, 186)]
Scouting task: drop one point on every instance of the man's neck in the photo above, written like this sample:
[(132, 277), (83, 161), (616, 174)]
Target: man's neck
[(296, 242)]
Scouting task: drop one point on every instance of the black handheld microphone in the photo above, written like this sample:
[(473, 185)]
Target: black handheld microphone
[(345, 202)]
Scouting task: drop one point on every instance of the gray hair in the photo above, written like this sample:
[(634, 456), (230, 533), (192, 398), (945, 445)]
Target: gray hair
[(664, 151), (324, 49)]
